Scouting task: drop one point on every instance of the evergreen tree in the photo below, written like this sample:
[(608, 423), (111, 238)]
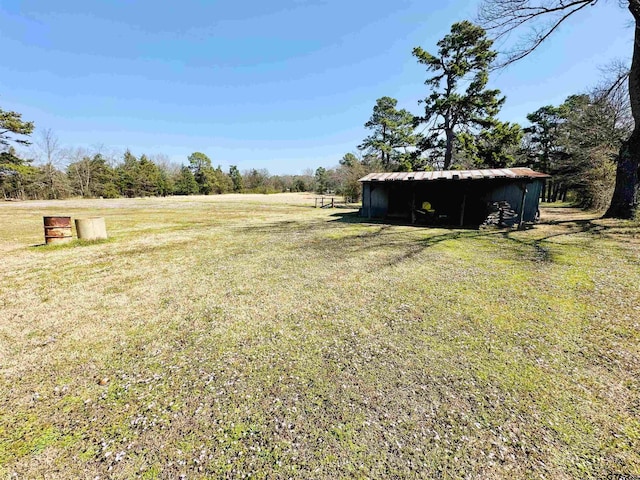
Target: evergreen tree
[(392, 130), (13, 130), (203, 172), (236, 178), (494, 147), (545, 138), (148, 177), (15, 171), (221, 182), (16, 174), (591, 137), (127, 173), (299, 185), (185, 183), (349, 160), (459, 99), (322, 180)]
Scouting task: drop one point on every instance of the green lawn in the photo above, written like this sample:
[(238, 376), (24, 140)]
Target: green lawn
[(257, 337)]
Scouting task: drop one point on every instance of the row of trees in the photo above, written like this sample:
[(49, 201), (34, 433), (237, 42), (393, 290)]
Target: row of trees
[(459, 113), (576, 142), (589, 143), (94, 175), (49, 171), (541, 18)]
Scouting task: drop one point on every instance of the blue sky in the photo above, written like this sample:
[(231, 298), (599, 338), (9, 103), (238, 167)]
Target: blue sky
[(282, 84)]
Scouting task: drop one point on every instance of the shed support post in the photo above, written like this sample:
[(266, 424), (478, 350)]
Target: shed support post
[(413, 204), (464, 201), (524, 197), (369, 212)]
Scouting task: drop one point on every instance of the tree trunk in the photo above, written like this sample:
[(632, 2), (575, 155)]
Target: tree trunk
[(624, 202), (554, 195), (448, 153)]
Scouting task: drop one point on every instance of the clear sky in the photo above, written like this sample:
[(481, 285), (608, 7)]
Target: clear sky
[(280, 84)]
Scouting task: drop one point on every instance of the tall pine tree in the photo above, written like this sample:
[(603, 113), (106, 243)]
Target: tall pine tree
[(459, 98), (392, 129)]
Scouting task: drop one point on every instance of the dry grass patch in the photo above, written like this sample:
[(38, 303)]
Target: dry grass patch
[(255, 336)]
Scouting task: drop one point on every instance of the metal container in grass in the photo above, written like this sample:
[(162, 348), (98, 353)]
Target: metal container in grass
[(57, 229), (92, 228)]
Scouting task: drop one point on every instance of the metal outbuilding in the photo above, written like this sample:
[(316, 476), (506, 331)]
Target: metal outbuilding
[(452, 197)]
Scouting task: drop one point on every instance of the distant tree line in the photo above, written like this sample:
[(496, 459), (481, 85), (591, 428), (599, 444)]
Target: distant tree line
[(48, 171), (578, 142), (96, 175)]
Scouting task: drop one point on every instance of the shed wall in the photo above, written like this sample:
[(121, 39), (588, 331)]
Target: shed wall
[(376, 196), (375, 200), (512, 193), (532, 202)]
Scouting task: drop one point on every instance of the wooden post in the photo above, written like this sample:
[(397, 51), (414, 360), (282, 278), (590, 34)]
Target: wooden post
[(316, 202), (464, 201), (370, 188), (524, 197), (413, 204)]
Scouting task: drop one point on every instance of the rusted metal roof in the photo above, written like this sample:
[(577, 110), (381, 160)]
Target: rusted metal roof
[(520, 172)]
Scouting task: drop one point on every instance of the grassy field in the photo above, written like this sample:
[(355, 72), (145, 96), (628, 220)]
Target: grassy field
[(257, 337)]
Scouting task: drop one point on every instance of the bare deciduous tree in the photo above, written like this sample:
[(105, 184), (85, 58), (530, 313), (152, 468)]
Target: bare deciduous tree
[(49, 152), (614, 89), (80, 171), (538, 20), (543, 17)]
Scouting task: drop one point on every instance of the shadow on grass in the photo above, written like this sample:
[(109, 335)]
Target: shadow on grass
[(284, 227), (528, 249), (381, 233), (421, 245), (590, 226), (355, 218)]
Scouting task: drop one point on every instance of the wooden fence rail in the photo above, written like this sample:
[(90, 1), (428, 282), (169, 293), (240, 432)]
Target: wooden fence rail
[(325, 202)]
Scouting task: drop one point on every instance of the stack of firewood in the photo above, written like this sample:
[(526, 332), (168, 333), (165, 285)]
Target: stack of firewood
[(501, 214)]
